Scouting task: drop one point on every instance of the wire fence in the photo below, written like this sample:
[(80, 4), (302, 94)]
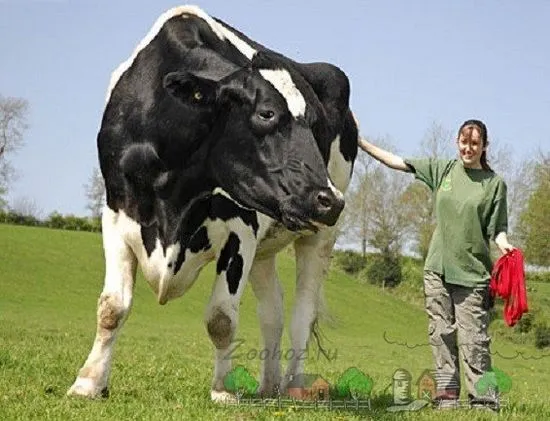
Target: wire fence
[(346, 404), (328, 404), (466, 404)]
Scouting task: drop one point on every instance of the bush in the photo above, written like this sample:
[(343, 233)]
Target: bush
[(55, 220), (384, 270), (350, 261), (413, 272), (15, 218), (542, 336), (526, 323), (537, 277)]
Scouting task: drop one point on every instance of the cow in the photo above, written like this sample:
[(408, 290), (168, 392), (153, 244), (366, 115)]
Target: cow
[(214, 147)]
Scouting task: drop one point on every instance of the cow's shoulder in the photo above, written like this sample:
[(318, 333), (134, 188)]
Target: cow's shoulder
[(329, 82), (332, 87)]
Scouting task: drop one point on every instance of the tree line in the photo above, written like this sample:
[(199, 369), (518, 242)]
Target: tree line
[(54, 220)]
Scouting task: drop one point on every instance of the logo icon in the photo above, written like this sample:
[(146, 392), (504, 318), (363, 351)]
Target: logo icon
[(446, 184)]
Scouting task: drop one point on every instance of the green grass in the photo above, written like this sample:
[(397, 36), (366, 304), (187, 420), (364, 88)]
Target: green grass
[(49, 284)]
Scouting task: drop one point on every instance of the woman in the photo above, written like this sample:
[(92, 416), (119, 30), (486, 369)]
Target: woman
[(470, 209)]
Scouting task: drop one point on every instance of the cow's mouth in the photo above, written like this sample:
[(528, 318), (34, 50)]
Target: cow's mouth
[(323, 212), (296, 223)]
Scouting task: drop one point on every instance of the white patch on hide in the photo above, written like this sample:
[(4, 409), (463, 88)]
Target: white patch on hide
[(158, 268), (220, 191), (338, 168), (334, 190)]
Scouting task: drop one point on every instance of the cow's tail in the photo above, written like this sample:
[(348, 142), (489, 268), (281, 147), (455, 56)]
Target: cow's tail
[(324, 316), (166, 279)]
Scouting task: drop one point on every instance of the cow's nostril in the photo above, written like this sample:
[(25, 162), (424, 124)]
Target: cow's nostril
[(324, 199), (327, 207)]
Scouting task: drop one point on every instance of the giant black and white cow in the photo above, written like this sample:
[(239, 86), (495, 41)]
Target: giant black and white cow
[(215, 147)]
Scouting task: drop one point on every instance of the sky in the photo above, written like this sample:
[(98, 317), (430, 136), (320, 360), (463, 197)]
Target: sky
[(410, 63)]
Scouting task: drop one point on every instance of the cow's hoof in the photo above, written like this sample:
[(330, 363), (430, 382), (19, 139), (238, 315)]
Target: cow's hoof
[(222, 397), (86, 388)]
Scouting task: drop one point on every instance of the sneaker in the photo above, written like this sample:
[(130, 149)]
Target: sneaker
[(446, 399)]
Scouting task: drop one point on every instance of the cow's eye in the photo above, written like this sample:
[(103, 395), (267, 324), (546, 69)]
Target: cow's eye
[(197, 96), (266, 115)]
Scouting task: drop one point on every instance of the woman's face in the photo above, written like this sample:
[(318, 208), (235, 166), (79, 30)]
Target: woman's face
[(470, 147)]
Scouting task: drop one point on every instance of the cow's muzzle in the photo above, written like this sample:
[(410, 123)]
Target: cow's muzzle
[(328, 204), (319, 209)]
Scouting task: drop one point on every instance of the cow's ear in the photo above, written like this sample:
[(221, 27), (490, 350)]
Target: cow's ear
[(190, 89)]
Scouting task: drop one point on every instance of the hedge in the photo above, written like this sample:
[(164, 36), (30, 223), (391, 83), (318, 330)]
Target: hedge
[(54, 220)]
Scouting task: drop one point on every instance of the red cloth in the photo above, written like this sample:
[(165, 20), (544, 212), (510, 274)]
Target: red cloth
[(508, 282)]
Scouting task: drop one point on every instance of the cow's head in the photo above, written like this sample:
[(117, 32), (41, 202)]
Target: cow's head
[(262, 150)]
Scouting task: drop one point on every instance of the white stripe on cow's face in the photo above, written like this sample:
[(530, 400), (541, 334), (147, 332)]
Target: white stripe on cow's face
[(221, 31), (282, 81)]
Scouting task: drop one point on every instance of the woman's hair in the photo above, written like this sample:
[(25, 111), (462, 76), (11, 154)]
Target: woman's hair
[(466, 130)]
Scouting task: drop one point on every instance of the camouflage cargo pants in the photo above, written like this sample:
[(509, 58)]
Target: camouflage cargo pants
[(458, 323)]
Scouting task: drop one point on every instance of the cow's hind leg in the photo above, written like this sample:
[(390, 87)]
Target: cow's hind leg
[(268, 291), (312, 262), (222, 313), (113, 307)]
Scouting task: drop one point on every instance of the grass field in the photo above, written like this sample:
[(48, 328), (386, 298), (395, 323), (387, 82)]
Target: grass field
[(49, 284)]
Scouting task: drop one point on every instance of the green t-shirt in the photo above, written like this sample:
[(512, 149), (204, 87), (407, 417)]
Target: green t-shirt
[(470, 209)]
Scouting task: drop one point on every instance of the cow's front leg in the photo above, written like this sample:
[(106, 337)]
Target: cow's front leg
[(268, 291), (312, 262), (222, 313), (113, 307)]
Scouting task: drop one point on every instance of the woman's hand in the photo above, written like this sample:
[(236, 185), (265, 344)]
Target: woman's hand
[(506, 248), (501, 241)]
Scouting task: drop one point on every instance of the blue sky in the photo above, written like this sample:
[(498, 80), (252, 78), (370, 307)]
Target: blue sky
[(410, 63)]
